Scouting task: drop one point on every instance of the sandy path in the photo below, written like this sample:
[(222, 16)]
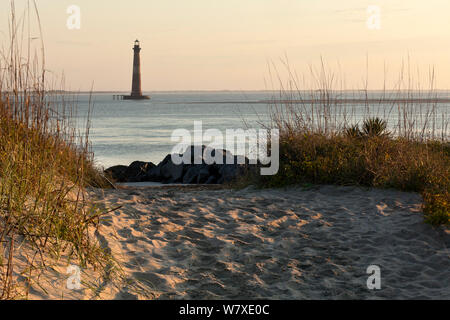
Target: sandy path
[(277, 244)]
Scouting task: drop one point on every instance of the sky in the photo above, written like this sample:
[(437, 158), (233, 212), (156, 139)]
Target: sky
[(241, 44)]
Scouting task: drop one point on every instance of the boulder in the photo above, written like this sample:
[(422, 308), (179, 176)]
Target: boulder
[(229, 172), (190, 154), (171, 172), (191, 174), (137, 171), (203, 174), (154, 175), (117, 173), (241, 160), (211, 180), (165, 161), (221, 153)]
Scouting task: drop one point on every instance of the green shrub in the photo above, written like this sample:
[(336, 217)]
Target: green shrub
[(437, 208), (353, 132), (376, 161), (374, 127), (317, 145)]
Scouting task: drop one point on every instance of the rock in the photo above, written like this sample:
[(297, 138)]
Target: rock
[(241, 160), (153, 175), (230, 172), (117, 173), (203, 174), (211, 180), (191, 174), (190, 154), (137, 171), (166, 160), (171, 172), (222, 152)]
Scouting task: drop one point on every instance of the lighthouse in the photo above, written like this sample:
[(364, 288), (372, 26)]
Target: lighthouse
[(136, 89)]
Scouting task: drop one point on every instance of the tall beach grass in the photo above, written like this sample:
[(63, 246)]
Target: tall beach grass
[(397, 138), (45, 166)]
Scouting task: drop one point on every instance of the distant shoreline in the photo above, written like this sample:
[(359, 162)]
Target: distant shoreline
[(329, 101), (322, 101), (237, 90), (356, 100)]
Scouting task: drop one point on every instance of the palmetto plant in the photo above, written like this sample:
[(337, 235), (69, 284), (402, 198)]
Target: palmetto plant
[(353, 131), (374, 127)]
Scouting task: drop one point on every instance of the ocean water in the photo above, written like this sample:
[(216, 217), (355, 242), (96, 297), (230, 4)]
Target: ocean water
[(122, 131)]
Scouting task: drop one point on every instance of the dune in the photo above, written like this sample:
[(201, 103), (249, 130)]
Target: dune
[(317, 243)]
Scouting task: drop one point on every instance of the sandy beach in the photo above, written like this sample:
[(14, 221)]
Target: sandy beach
[(201, 243)]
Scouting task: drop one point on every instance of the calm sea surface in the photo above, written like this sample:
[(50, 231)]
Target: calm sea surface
[(123, 131)]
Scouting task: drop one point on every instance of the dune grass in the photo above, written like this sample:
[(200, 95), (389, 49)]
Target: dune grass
[(45, 167), (399, 145)]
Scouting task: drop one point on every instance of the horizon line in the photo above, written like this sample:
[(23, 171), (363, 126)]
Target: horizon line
[(249, 90)]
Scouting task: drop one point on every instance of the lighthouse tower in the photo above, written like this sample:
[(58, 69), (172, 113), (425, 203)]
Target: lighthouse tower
[(136, 90)]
